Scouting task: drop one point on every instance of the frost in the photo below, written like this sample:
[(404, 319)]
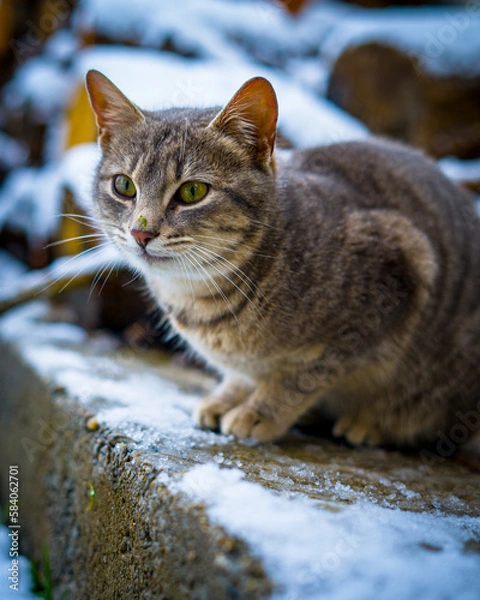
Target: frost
[(359, 553), (39, 84), (352, 548), (17, 324)]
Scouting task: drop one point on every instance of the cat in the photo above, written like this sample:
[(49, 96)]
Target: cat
[(344, 278)]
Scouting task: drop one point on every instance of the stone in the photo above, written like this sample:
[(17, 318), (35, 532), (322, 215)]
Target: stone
[(131, 500)]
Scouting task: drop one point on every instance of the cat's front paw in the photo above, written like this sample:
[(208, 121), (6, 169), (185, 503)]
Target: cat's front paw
[(245, 421), (208, 413)]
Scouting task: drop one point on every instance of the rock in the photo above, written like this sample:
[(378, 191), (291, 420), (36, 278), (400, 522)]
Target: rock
[(133, 501)]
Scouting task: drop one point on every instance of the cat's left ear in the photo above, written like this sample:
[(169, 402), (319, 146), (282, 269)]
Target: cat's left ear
[(251, 117), (113, 110)]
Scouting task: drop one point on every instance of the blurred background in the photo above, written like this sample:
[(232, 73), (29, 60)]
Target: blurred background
[(342, 70)]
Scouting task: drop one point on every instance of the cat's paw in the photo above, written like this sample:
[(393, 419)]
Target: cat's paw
[(357, 431), (245, 421), (208, 413)]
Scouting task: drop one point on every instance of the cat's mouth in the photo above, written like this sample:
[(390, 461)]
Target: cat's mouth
[(152, 259)]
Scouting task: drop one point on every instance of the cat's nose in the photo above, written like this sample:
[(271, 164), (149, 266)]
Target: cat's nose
[(142, 237)]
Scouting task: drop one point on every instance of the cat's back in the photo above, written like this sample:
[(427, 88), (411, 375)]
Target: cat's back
[(378, 174)]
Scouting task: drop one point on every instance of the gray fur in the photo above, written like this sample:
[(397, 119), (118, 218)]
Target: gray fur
[(346, 277)]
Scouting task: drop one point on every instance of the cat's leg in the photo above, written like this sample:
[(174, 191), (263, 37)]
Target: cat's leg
[(268, 413), (229, 394)]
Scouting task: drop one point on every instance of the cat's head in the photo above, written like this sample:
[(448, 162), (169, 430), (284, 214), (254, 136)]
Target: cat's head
[(185, 188)]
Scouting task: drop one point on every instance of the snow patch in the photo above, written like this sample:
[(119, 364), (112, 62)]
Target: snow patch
[(460, 170), (445, 40), (361, 552), (41, 85)]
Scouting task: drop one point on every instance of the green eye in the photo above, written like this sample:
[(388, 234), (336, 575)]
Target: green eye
[(124, 186), (193, 191)]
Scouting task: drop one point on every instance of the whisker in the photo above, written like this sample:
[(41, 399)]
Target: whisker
[(187, 276), (217, 287), (77, 216), (99, 249), (202, 274), (243, 245), (136, 276), (97, 279), (112, 267), (86, 236), (229, 280), (241, 274), (266, 225)]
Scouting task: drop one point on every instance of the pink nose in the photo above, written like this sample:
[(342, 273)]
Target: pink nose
[(142, 237)]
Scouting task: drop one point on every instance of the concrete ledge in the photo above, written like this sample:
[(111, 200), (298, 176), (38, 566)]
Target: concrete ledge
[(181, 513)]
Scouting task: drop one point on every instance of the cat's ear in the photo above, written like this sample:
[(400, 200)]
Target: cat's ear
[(251, 117), (113, 110)]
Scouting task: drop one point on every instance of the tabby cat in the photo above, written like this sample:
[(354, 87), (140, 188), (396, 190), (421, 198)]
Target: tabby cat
[(345, 278)]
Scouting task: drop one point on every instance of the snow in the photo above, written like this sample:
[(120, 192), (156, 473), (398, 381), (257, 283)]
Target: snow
[(30, 201), (350, 549), (40, 84), (460, 170), (358, 553), (54, 349), (76, 169), (17, 324), (12, 153), (160, 80), (11, 269), (61, 45), (31, 197), (25, 579), (446, 40)]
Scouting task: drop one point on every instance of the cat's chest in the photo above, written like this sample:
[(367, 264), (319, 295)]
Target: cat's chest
[(218, 343), (224, 337)]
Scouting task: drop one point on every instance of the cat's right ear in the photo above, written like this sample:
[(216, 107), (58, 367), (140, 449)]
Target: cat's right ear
[(112, 109)]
